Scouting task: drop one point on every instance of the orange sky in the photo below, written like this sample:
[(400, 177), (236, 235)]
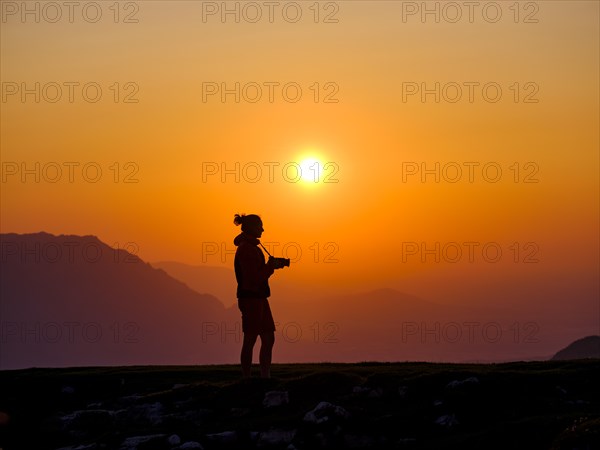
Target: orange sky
[(170, 136)]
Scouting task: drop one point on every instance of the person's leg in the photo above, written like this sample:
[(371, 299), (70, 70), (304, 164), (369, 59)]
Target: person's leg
[(246, 356), (266, 351)]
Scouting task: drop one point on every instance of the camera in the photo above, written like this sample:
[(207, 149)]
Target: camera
[(280, 263)]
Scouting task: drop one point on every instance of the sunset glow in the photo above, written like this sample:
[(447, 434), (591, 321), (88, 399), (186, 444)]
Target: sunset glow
[(450, 156)]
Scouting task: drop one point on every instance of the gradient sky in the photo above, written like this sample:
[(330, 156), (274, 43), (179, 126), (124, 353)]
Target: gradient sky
[(170, 135)]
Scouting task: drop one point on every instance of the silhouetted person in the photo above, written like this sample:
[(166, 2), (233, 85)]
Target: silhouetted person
[(252, 274)]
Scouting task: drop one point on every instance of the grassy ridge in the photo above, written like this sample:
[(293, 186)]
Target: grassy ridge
[(549, 404)]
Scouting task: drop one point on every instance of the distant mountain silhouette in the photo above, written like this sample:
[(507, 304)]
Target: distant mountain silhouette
[(332, 327), (73, 300), (587, 347), (217, 281), (381, 324)]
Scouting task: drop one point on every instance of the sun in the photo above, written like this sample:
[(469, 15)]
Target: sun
[(311, 169)]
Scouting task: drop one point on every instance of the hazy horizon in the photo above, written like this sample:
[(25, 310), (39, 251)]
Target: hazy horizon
[(72, 300)]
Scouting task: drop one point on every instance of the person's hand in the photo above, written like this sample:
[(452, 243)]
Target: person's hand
[(275, 263)]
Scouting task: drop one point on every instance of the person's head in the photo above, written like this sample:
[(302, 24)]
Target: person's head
[(251, 224)]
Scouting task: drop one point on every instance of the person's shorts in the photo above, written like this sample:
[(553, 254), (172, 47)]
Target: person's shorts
[(256, 315)]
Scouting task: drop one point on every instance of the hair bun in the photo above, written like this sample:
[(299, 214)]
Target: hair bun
[(238, 220)]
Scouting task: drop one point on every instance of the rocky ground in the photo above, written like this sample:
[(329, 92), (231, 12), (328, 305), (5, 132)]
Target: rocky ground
[(534, 405)]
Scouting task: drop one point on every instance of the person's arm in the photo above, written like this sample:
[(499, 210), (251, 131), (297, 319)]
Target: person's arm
[(254, 271)]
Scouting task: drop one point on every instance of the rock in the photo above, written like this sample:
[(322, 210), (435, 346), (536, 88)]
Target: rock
[(224, 438), (144, 414), (239, 412), (275, 437), (360, 390), (153, 412), (190, 445), (67, 390), (254, 435), (194, 417), (276, 398), (325, 412), (467, 381), (368, 392), (375, 393), (447, 421), (329, 439), (402, 390), (132, 443), (80, 447), (174, 439), (88, 420), (130, 398), (354, 441), (183, 403)]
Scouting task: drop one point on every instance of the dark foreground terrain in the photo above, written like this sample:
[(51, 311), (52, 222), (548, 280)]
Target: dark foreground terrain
[(522, 405)]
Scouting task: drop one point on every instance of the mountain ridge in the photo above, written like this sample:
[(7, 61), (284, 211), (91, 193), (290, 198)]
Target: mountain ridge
[(74, 300), (586, 347)]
